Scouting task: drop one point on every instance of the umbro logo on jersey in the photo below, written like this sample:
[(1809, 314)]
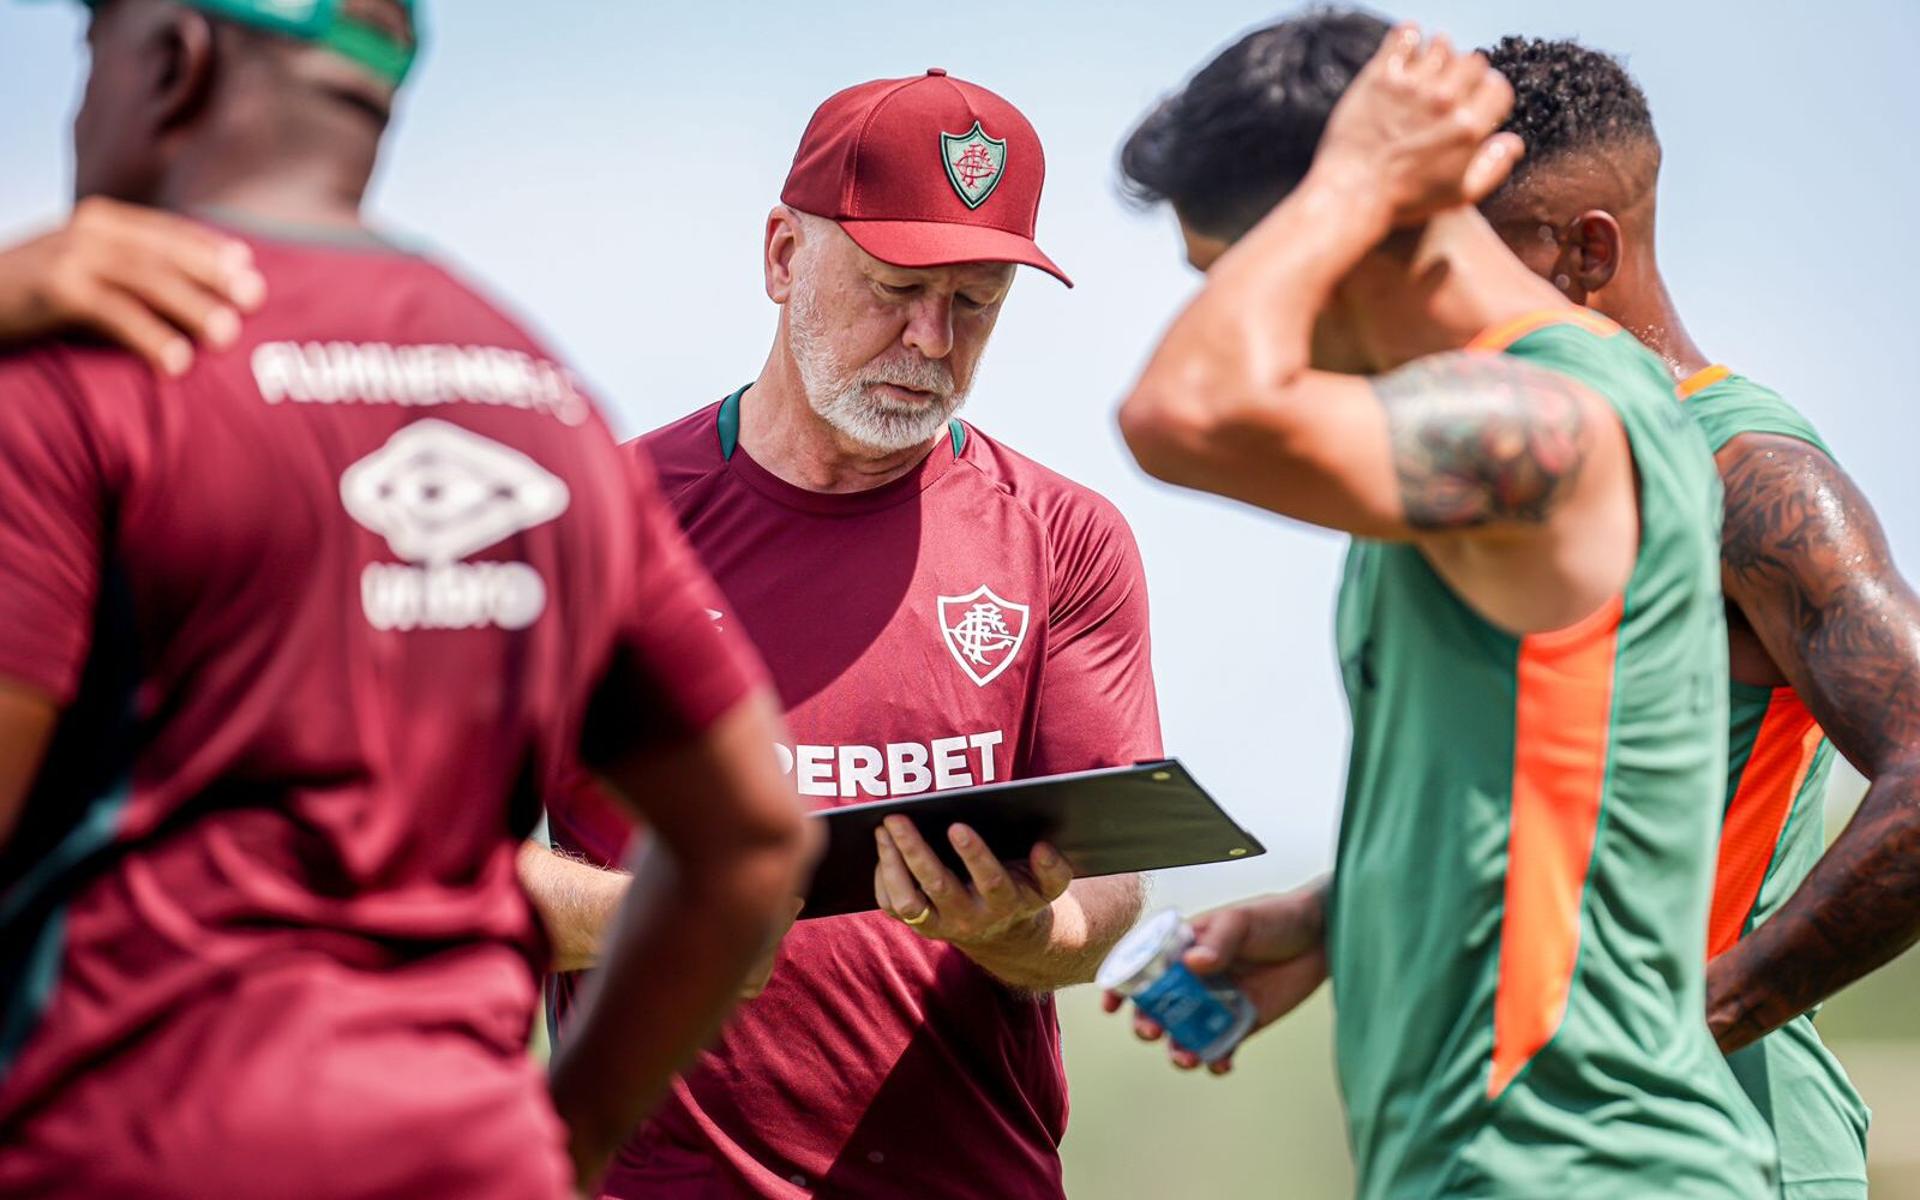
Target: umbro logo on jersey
[(983, 632), (439, 493)]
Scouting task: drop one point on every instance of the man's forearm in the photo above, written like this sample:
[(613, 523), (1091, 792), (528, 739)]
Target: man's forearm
[(576, 900), (685, 938), (1246, 336), (1065, 944), (1858, 910), (1230, 403)]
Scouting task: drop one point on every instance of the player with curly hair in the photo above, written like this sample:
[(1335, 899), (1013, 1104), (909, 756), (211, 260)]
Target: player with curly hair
[(1824, 634)]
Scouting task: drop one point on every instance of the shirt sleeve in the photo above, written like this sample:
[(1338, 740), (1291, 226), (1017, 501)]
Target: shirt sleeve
[(585, 819), (53, 520), (1097, 702), (675, 670), (1736, 407)]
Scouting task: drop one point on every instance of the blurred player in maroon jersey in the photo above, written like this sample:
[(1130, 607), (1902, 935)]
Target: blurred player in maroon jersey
[(292, 641), (937, 611)]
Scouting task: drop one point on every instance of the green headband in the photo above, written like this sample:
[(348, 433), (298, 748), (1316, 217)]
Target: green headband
[(321, 23)]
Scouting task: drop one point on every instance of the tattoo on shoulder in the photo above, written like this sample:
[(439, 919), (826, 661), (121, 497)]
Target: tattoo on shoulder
[(1804, 556), (1480, 438)]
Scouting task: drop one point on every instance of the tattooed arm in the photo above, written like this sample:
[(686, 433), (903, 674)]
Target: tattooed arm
[(1449, 443), (1454, 442), (1807, 564), (1481, 440), (1229, 403)]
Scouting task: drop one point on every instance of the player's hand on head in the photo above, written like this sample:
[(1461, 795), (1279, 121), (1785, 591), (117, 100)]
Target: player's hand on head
[(149, 281), (1418, 124), (992, 901)]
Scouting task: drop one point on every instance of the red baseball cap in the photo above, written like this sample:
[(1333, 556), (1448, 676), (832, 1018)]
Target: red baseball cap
[(924, 172)]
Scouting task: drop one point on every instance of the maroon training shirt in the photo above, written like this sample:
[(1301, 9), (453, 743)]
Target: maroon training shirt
[(323, 618), (979, 619)]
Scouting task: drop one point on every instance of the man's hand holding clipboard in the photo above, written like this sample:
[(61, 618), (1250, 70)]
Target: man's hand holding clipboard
[(911, 883), (1005, 850)]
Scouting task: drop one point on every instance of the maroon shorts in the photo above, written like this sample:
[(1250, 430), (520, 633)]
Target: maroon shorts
[(307, 1079)]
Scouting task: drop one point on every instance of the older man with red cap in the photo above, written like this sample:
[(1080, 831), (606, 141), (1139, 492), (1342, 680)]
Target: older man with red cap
[(937, 611)]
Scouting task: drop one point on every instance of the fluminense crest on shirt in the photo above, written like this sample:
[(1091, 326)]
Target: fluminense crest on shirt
[(975, 163), (983, 631)]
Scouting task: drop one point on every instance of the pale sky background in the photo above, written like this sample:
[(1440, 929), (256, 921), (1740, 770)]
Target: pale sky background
[(606, 167)]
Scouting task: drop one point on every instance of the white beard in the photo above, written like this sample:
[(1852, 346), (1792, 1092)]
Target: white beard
[(849, 399)]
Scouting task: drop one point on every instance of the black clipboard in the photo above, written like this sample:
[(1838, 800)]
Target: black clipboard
[(1111, 821)]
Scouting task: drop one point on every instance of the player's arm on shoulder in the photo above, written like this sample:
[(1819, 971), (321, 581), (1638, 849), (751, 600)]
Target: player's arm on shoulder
[(150, 281), (1806, 560), (1452, 443)]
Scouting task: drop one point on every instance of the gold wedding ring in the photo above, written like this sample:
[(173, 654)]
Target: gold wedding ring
[(921, 919)]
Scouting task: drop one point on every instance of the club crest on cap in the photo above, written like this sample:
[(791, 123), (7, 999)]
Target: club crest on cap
[(975, 163)]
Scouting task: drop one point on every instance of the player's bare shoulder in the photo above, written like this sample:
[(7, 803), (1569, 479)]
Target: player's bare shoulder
[(1517, 483), (1805, 559), (1483, 439), (1784, 497)]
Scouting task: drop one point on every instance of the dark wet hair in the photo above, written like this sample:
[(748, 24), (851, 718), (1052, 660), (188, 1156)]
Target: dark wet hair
[(1225, 148), (1569, 98)]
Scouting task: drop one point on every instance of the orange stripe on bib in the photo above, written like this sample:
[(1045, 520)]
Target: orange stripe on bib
[(1783, 753), (1562, 727), (1506, 333), (1701, 380)]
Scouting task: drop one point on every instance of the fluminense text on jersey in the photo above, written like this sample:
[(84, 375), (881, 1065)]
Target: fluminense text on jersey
[(416, 376)]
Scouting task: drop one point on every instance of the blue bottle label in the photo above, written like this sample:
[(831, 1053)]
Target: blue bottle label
[(1181, 1004)]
